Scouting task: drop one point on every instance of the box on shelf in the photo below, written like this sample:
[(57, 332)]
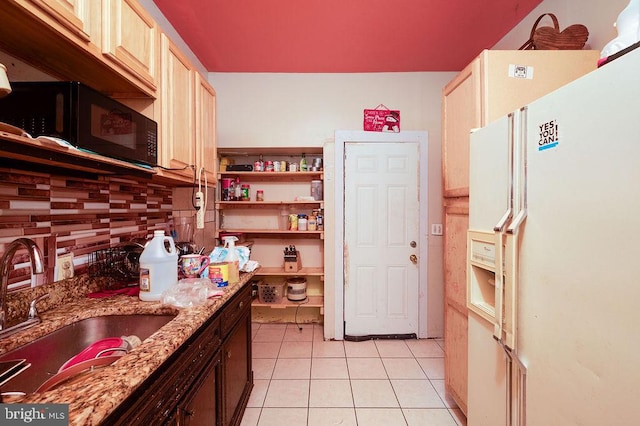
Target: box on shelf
[(270, 293)]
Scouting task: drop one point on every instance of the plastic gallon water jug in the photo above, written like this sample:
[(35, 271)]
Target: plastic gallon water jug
[(232, 259), (158, 267)]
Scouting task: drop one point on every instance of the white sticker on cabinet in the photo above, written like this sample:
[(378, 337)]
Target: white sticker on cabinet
[(521, 71)]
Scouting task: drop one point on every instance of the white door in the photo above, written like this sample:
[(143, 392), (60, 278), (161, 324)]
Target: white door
[(381, 238)]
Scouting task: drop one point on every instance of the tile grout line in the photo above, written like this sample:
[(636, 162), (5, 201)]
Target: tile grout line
[(313, 359)]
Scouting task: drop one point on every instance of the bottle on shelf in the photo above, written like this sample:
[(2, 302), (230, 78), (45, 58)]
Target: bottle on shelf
[(238, 190), (303, 163), (231, 190), (227, 189)]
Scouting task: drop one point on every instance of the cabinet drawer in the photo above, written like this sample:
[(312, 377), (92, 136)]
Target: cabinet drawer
[(239, 304)]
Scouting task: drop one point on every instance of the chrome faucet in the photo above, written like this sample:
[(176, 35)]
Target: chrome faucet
[(37, 267)]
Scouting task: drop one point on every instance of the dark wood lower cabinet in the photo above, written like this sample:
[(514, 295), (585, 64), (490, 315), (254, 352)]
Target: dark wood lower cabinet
[(207, 381), (202, 407), (237, 375)]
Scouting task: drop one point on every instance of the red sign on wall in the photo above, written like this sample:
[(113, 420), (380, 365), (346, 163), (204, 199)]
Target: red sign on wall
[(381, 119)]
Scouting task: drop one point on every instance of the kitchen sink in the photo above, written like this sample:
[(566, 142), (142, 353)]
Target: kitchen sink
[(49, 352)]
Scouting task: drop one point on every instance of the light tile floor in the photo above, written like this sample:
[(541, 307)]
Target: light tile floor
[(300, 379)]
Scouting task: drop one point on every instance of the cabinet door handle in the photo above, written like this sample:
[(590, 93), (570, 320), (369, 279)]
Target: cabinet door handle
[(241, 305), (182, 413), (229, 355)]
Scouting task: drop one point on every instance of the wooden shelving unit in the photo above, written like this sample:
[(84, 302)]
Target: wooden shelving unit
[(221, 205), (258, 221), (280, 272), (311, 302), (272, 176), (274, 233)]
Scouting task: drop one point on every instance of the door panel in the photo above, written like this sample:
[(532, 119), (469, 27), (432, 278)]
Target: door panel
[(381, 221)]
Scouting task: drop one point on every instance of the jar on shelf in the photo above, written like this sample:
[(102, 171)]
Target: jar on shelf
[(302, 222), (259, 195), (283, 222), (258, 165), (312, 223), (245, 192), (316, 190)]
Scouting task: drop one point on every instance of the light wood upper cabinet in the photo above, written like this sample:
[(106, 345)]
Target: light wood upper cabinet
[(489, 87), (206, 128), (177, 137), (109, 45), (130, 40), (187, 116), (81, 18), (460, 112)]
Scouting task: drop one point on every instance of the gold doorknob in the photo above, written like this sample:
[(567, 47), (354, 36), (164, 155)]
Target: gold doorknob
[(413, 258)]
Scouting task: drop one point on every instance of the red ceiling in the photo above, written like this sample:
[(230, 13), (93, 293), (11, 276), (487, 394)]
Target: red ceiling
[(321, 36)]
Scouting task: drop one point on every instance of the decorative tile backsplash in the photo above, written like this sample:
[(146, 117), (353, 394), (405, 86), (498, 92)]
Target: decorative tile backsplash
[(79, 215)]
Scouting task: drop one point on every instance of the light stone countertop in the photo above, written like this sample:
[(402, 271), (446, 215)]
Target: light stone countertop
[(92, 396)]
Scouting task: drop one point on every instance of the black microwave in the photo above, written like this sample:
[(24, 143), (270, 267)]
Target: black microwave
[(85, 118)]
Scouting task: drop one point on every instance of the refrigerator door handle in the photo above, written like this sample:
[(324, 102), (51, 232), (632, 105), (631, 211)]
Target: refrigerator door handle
[(511, 290), (520, 163), (499, 232), (516, 373), (517, 221), (509, 213), (503, 221), (512, 251), (499, 289)]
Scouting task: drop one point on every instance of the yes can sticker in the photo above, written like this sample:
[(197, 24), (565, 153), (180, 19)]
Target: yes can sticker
[(548, 135)]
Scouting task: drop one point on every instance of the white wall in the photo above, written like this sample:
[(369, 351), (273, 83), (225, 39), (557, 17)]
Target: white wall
[(306, 109)]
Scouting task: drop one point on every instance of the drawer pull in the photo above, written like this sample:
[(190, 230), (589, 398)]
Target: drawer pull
[(241, 305)]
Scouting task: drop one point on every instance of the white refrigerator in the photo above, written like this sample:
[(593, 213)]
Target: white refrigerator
[(554, 257)]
